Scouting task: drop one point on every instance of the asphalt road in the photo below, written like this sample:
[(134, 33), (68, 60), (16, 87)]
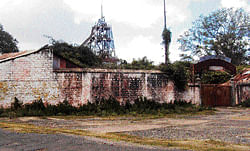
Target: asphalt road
[(12, 141)]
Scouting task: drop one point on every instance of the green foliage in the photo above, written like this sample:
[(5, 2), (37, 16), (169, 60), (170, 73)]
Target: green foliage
[(16, 104), (166, 36), (102, 107), (7, 42), (140, 64), (1, 110), (178, 72), (215, 77), (223, 32), (241, 68), (246, 103), (81, 56)]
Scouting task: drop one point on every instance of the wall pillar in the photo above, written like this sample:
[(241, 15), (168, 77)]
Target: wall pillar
[(233, 92), (198, 81)]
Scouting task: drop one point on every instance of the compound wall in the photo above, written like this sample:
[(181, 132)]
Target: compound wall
[(32, 77)]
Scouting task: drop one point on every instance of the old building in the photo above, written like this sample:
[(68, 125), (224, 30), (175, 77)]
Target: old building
[(40, 74)]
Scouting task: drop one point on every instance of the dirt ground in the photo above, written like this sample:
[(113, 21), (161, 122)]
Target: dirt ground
[(230, 125)]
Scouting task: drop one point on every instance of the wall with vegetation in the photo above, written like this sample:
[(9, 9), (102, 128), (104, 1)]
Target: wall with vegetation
[(32, 77)]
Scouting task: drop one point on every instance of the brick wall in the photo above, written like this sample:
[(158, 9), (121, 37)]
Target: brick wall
[(32, 77), (28, 78)]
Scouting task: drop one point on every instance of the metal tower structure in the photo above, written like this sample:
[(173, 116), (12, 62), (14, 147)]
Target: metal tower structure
[(101, 39)]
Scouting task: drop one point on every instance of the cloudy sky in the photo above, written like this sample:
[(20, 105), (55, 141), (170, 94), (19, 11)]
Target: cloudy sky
[(137, 24)]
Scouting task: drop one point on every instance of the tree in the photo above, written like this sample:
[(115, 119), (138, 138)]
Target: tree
[(140, 64), (223, 32), (166, 36), (178, 72), (7, 42)]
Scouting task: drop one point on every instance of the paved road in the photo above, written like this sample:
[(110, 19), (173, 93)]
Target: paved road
[(11, 141)]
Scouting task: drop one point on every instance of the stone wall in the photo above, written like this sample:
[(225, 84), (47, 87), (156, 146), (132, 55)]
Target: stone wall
[(32, 77)]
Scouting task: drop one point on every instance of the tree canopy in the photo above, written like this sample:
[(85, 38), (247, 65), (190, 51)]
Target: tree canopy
[(223, 32), (7, 42), (139, 64)]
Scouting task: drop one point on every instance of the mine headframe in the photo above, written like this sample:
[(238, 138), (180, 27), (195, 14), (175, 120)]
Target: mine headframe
[(101, 39)]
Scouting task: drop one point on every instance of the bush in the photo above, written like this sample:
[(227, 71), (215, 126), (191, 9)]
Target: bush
[(81, 56), (246, 103), (178, 72), (215, 77), (101, 107), (16, 104), (1, 110)]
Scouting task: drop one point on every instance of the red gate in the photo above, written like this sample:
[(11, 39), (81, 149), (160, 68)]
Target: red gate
[(215, 95)]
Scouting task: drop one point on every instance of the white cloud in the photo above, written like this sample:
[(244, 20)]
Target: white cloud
[(139, 13), (142, 46), (234, 3), (137, 24)]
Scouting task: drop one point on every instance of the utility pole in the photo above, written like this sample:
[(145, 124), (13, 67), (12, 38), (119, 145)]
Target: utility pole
[(166, 35), (165, 18), (102, 10)]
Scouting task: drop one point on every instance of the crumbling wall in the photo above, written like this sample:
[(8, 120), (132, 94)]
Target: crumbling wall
[(32, 77), (28, 78), (242, 92), (80, 86)]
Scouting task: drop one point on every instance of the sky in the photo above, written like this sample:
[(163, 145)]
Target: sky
[(137, 24)]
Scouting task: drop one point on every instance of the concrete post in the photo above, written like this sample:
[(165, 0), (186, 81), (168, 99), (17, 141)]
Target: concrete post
[(198, 81), (233, 93)]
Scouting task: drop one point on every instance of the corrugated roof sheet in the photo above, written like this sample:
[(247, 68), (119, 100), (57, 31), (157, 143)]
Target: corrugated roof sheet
[(245, 75)]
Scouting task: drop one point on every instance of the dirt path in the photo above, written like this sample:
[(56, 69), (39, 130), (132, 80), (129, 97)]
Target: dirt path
[(230, 125), (227, 125)]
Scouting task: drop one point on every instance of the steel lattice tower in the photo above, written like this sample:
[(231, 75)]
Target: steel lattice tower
[(101, 39)]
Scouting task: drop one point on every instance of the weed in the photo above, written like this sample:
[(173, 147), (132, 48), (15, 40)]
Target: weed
[(101, 107)]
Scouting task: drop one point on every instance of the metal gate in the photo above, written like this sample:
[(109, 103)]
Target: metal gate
[(215, 95)]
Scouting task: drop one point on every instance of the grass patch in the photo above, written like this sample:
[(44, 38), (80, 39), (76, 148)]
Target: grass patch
[(199, 145)]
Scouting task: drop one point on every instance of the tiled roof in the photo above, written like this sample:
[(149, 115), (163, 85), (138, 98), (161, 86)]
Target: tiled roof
[(9, 56), (12, 55)]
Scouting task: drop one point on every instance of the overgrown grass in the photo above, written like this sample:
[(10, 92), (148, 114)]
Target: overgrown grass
[(101, 107), (198, 145)]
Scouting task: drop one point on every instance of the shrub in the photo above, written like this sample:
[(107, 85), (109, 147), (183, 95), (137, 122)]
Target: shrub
[(246, 103), (215, 77), (101, 107), (178, 72), (1, 110), (65, 108), (16, 104)]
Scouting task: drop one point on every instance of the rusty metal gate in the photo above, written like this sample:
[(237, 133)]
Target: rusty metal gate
[(215, 95)]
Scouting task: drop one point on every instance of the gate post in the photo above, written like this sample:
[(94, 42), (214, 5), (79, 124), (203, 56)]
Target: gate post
[(198, 80), (233, 94)]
